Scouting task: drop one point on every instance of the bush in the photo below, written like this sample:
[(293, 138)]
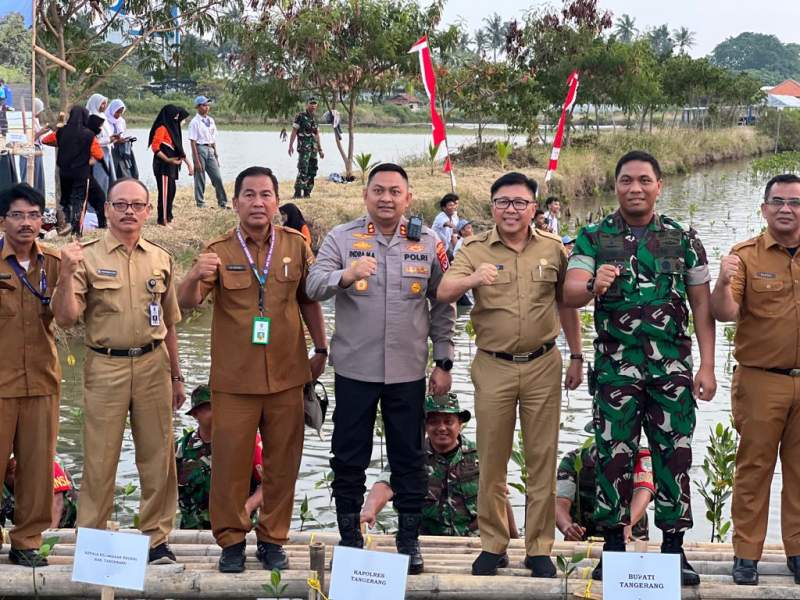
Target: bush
[(789, 138)]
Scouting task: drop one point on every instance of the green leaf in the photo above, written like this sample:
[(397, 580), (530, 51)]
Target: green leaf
[(576, 558), (562, 564), (275, 578)]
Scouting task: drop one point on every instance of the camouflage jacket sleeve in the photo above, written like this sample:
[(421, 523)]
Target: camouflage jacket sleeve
[(567, 477), (584, 253), (697, 272)]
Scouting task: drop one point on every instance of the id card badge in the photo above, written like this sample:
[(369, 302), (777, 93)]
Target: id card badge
[(261, 330), (155, 314)]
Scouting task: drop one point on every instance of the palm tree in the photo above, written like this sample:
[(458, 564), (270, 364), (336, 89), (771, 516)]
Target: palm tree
[(661, 41), (626, 29), (482, 42), (684, 39), (496, 30)]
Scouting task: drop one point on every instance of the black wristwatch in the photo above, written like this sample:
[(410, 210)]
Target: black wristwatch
[(576, 356), (590, 285), (445, 364), (323, 351)]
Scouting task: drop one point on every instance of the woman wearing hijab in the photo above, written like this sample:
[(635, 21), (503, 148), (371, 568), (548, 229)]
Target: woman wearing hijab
[(122, 150), (78, 150), (166, 142), (103, 170), (293, 218), (38, 166)]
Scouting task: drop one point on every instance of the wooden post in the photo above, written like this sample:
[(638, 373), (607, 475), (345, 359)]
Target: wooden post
[(31, 133), (316, 554), (107, 593)]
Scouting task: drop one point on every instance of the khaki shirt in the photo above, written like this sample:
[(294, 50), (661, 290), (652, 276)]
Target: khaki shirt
[(238, 366), (383, 322), (114, 291), (517, 313), (767, 289), (28, 357)]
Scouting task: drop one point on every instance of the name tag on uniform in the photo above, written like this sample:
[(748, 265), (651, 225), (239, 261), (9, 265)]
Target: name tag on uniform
[(155, 314), (261, 330)]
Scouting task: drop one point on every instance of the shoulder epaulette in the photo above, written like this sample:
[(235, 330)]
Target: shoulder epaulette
[(548, 235), (221, 238), (50, 251), (159, 246), (751, 242), (480, 237), (90, 242), (290, 230)]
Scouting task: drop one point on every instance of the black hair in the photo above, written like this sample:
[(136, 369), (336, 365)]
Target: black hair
[(639, 155), (514, 178), (538, 212), (783, 178), (254, 172), (550, 200), (20, 191), (294, 217), (125, 180), (447, 199), (387, 168)]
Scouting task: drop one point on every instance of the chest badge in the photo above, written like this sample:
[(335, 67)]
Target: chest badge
[(416, 287)]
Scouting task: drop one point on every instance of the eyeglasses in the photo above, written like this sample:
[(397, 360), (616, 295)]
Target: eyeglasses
[(122, 207), (17, 215), (504, 202), (793, 203)]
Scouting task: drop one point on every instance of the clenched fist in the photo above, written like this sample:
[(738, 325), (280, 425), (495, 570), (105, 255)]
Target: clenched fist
[(71, 257), (729, 268), (364, 267), (604, 278), (485, 274), (205, 266)]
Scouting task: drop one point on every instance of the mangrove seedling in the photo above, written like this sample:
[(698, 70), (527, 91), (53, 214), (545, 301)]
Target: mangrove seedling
[(567, 566), (503, 152), (718, 466), (274, 587)]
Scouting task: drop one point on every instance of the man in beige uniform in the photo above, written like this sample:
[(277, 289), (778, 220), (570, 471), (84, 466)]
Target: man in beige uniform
[(30, 376), (517, 274), (259, 366), (758, 289), (122, 286)]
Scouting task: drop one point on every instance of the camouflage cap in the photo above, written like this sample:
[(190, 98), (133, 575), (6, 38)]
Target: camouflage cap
[(201, 395), (312, 100), (446, 403)]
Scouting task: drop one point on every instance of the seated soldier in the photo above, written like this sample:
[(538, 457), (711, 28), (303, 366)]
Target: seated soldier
[(451, 504), (65, 497), (576, 493), (193, 458)]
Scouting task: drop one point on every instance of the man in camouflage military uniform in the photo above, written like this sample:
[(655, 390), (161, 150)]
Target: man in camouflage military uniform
[(641, 267), (193, 458), (304, 129), (576, 492), (451, 463)]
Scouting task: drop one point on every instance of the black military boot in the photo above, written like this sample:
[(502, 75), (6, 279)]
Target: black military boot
[(614, 542), (350, 530), (407, 541), (297, 192), (673, 544)]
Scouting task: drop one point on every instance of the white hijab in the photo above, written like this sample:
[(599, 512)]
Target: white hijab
[(93, 106), (118, 125)]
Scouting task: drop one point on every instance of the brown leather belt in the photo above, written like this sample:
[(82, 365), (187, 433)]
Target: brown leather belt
[(524, 357), (789, 372)]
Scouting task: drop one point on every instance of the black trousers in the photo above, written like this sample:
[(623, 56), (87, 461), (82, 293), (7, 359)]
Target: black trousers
[(166, 195), (73, 192), (402, 409)]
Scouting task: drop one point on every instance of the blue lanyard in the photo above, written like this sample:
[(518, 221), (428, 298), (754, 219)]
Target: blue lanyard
[(41, 293), (261, 279)]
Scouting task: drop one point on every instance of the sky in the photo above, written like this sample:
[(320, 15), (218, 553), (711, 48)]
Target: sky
[(712, 20)]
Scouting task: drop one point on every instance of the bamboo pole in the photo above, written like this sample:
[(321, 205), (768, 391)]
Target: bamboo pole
[(29, 175), (316, 558), (52, 57)]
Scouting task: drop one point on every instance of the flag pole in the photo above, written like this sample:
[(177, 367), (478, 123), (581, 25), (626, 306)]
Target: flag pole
[(31, 133)]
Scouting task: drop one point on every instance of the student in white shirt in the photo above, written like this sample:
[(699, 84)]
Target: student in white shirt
[(444, 225), (552, 213), (203, 136)]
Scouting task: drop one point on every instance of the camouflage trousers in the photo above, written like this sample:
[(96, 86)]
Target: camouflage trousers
[(306, 171), (664, 407)]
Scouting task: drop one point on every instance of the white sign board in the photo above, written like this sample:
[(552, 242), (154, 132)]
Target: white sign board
[(111, 559), (366, 575), (649, 576)]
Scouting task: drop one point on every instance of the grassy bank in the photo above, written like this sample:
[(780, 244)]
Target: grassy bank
[(584, 169)]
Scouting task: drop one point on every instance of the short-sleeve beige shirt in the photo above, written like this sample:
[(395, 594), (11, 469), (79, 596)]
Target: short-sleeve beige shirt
[(115, 289), (516, 314)]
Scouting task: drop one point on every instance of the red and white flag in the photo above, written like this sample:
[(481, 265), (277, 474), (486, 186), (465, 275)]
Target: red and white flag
[(572, 94), (429, 81)]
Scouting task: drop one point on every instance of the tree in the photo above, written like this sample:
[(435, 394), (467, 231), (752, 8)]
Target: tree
[(626, 29), (759, 53), (684, 39), (482, 42), (338, 50), (496, 29), (15, 44), (78, 32), (661, 41)]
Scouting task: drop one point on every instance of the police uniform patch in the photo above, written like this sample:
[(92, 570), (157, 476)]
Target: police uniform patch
[(371, 228), (415, 247), (364, 236), (361, 285), (441, 255), (362, 246), (416, 287), (403, 230)]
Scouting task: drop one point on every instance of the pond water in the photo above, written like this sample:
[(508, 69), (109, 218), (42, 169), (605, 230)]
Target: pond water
[(721, 202)]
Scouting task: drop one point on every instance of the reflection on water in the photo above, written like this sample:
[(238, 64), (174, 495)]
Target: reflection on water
[(721, 203)]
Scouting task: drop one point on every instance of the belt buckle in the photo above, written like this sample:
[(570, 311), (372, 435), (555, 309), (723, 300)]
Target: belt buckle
[(520, 358), (134, 352), (794, 372)]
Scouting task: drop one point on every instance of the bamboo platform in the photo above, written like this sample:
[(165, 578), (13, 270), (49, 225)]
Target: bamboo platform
[(447, 571)]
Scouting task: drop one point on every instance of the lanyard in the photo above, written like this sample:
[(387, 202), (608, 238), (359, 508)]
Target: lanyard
[(261, 279), (41, 294)]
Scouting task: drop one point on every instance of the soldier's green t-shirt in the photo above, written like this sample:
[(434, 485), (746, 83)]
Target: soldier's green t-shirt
[(451, 502), (643, 318)]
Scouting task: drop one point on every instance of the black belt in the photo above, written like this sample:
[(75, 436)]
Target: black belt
[(789, 372), (128, 352), (523, 357)]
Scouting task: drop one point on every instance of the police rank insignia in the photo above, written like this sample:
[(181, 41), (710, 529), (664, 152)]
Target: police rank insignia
[(416, 287), (441, 255)]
